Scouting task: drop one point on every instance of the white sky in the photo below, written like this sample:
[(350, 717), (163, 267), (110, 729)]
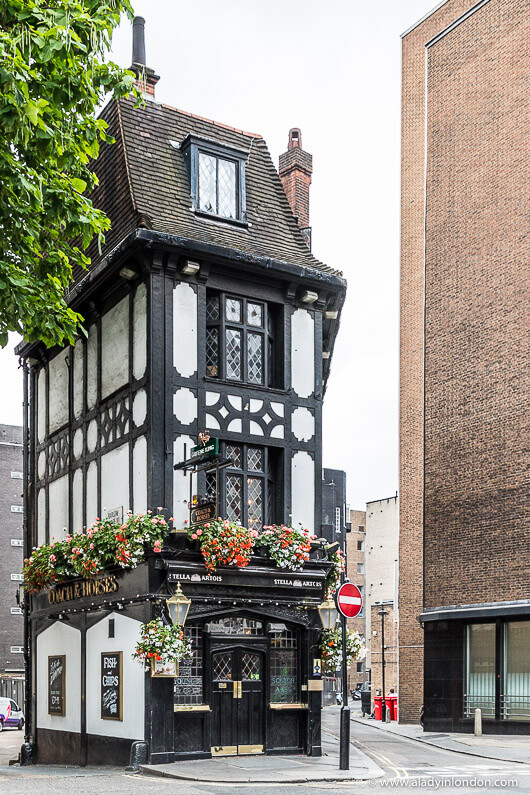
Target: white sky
[(332, 68)]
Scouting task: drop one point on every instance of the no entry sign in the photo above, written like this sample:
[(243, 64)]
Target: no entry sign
[(349, 600)]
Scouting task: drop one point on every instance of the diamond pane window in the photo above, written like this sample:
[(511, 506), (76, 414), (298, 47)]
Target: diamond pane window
[(233, 310), (233, 452), (212, 308), (233, 354), (255, 503), (255, 459), (222, 667), (254, 314), (250, 666), (255, 358), (226, 178), (234, 497), (207, 183), (212, 352)]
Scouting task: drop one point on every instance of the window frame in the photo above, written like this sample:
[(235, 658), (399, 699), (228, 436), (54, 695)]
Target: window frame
[(266, 332), (191, 147)]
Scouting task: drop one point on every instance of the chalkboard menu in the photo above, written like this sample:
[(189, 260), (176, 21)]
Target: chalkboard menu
[(112, 685), (56, 685)]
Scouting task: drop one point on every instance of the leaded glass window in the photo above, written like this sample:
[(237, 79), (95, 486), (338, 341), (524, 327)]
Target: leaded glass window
[(239, 340), (217, 186), (187, 686), (247, 485), (283, 667)]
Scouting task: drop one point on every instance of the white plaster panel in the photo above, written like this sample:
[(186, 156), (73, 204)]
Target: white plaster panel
[(235, 426), (115, 479), (92, 436), (181, 483), (302, 424), (77, 500), (91, 493), (58, 391), (78, 379), (255, 428), (58, 511), (277, 432), (140, 475), (185, 329), (139, 410), (236, 401), (140, 332), (212, 398), (302, 353), (126, 635), (278, 409), (91, 366), (255, 405), (115, 347), (41, 464), (41, 516), (78, 443), (185, 406), (211, 423), (41, 411), (303, 490), (60, 639)]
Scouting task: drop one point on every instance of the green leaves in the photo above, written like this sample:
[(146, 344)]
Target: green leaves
[(53, 77)]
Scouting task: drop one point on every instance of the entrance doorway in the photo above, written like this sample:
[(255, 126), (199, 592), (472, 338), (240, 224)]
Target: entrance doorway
[(238, 708)]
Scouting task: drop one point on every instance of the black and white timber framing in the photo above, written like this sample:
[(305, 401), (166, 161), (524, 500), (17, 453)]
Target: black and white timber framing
[(108, 419)]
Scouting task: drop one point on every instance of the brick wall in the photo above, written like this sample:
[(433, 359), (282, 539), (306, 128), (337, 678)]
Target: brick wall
[(11, 557), (471, 244), (391, 649), (356, 557)]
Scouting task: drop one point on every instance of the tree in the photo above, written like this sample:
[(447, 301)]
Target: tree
[(53, 77)]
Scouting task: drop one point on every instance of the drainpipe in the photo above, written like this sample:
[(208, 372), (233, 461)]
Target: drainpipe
[(26, 751)]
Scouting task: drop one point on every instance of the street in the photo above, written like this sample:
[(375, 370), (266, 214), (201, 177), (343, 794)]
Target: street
[(407, 763)]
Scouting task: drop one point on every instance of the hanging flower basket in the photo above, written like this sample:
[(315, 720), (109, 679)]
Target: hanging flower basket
[(162, 643), (288, 547), (103, 546), (331, 648), (224, 543)]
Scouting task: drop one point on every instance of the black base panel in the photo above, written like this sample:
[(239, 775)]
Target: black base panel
[(108, 750), (488, 726), (58, 748)]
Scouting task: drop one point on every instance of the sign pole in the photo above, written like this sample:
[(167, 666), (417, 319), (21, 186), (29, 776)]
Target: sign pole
[(345, 710)]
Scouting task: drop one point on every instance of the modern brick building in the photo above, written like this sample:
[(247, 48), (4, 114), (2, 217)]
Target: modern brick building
[(464, 542), (11, 552), (355, 560)]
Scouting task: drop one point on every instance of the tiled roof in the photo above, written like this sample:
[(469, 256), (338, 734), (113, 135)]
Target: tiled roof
[(143, 182)]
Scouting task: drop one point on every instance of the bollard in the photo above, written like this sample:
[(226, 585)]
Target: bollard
[(478, 723), (388, 716)]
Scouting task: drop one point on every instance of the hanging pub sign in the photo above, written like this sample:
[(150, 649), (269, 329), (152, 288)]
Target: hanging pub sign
[(200, 514), (206, 450), (56, 685), (112, 685)]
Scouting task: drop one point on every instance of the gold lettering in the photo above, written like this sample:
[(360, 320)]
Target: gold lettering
[(77, 590)]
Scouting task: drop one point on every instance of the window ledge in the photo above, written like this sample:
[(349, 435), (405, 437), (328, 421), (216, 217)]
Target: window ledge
[(191, 708), (287, 706), (220, 219), (240, 385)]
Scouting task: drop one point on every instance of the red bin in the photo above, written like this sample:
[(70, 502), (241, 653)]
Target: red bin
[(394, 700), (378, 707), (390, 706)]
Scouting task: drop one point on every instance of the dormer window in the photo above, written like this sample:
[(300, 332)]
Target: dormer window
[(217, 178)]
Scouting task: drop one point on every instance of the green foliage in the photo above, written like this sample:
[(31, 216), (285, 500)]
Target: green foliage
[(52, 79)]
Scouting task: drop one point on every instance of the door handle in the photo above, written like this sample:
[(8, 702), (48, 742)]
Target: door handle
[(238, 689)]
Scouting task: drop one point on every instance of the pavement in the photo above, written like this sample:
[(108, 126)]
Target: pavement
[(500, 747)]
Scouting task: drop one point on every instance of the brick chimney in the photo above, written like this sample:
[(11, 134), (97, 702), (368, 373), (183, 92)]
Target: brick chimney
[(146, 79), (296, 167)]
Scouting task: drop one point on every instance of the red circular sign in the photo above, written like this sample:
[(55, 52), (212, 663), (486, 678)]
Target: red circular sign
[(349, 600)]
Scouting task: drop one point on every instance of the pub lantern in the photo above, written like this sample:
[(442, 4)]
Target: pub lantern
[(328, 613), (178, 606)]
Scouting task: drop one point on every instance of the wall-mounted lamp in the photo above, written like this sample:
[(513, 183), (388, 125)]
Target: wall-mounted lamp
[(190, 268), (328, 613), (178, 606), (309, 297)]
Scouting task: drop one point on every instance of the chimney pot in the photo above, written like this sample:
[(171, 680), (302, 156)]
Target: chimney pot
[(138, 51), (295, 138), (295, 169), (146, 79)]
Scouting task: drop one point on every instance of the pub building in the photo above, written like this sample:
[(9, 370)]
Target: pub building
[(205, 310)]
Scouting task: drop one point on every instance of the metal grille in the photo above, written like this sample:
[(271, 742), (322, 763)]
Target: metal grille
[(254, 314), (485, 703), (212, 352), (222, 667), (255, 503), (250, 666), (207, 180), (233, 452), (212, 308), (255, 459), (226, 189), (233, 310), (515, 707), (255, 358), (233, 354), (233, 497), (188, 686)]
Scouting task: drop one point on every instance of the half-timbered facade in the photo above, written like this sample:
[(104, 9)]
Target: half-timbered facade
[(205, 310)]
